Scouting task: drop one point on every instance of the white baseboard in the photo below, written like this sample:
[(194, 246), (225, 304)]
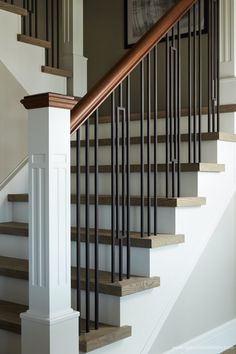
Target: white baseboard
[(212, 342)]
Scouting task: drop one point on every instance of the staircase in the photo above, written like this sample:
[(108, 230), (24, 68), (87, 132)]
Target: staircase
[(144, 186)]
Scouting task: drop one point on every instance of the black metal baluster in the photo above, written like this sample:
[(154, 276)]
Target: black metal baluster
[(167, 112), (87, 227), (142, 147), (199, 82), (78, 224), (218, 63), (24, 19), (179, 114), (58, 35), (189, 89), (47, 31), (171, 91), (96, 221), (52, 33), (128, 175), (194, 87), (118, 236), (155, 141), (122, 233), (149, 143), (113, 180), (30, 17), (213, 66), (36, 19), (209, 65)]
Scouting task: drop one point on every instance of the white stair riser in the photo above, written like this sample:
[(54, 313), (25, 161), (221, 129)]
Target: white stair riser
[(14, 246), (10, 342), (17, 247), (188, 183), (16, 290), (227, 124), (104, 153), (139, 258), (165, 218)]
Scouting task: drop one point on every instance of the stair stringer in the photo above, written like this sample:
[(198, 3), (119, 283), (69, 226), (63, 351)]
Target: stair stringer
[(24, 61), (147, 312)]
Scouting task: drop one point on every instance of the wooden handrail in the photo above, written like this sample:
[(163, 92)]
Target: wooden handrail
[(92, 100)]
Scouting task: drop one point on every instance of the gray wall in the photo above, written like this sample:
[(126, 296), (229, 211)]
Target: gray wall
[(104, 32)]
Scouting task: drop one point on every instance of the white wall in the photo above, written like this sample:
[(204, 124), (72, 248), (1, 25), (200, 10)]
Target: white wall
[(209, 298)]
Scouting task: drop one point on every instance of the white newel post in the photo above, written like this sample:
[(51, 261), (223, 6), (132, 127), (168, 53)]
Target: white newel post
[(228, 51), (50, 326)]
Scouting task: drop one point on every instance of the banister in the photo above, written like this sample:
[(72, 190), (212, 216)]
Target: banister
[(90, 102)]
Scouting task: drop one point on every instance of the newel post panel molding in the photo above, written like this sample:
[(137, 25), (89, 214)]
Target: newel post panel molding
[(228, 51), (50, 326)]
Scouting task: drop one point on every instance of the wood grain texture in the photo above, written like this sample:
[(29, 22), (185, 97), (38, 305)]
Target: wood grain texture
[(49, 100), (134, 200), (99, 338), (161, 139), (90, 102), (106, 334), (33, 41), (56, 71), (18, 269), (230, 351), (154, 241), (185, 167), (13, 8)]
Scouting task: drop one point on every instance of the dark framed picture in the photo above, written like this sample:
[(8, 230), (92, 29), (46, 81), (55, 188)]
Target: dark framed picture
[(141, 15)]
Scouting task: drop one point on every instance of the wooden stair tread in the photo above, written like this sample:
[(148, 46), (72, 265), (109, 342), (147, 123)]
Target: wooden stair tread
[(230, 350), (227, 108), (13, 8), (33, 41), (134, 200), (154, 241), (18, 268), (162, 139), (106, 334), (56, 71), (185, 167)]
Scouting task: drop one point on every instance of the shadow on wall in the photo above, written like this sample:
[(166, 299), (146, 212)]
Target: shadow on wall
[(208, 299)]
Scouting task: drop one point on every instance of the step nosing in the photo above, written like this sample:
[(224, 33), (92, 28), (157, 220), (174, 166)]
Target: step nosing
[(134, 200), (18, 269), (154, 241)]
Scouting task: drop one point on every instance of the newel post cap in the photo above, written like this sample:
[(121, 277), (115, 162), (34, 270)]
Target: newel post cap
[(49, 99)]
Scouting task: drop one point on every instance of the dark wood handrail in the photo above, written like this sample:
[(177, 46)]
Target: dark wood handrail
[(92, 100)]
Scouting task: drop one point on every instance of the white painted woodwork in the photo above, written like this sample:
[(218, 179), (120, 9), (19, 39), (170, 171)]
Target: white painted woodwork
[(72, 46), (23, 60), (50, 321)]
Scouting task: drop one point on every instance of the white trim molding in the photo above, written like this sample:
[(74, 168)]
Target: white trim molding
[(213, 342)]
